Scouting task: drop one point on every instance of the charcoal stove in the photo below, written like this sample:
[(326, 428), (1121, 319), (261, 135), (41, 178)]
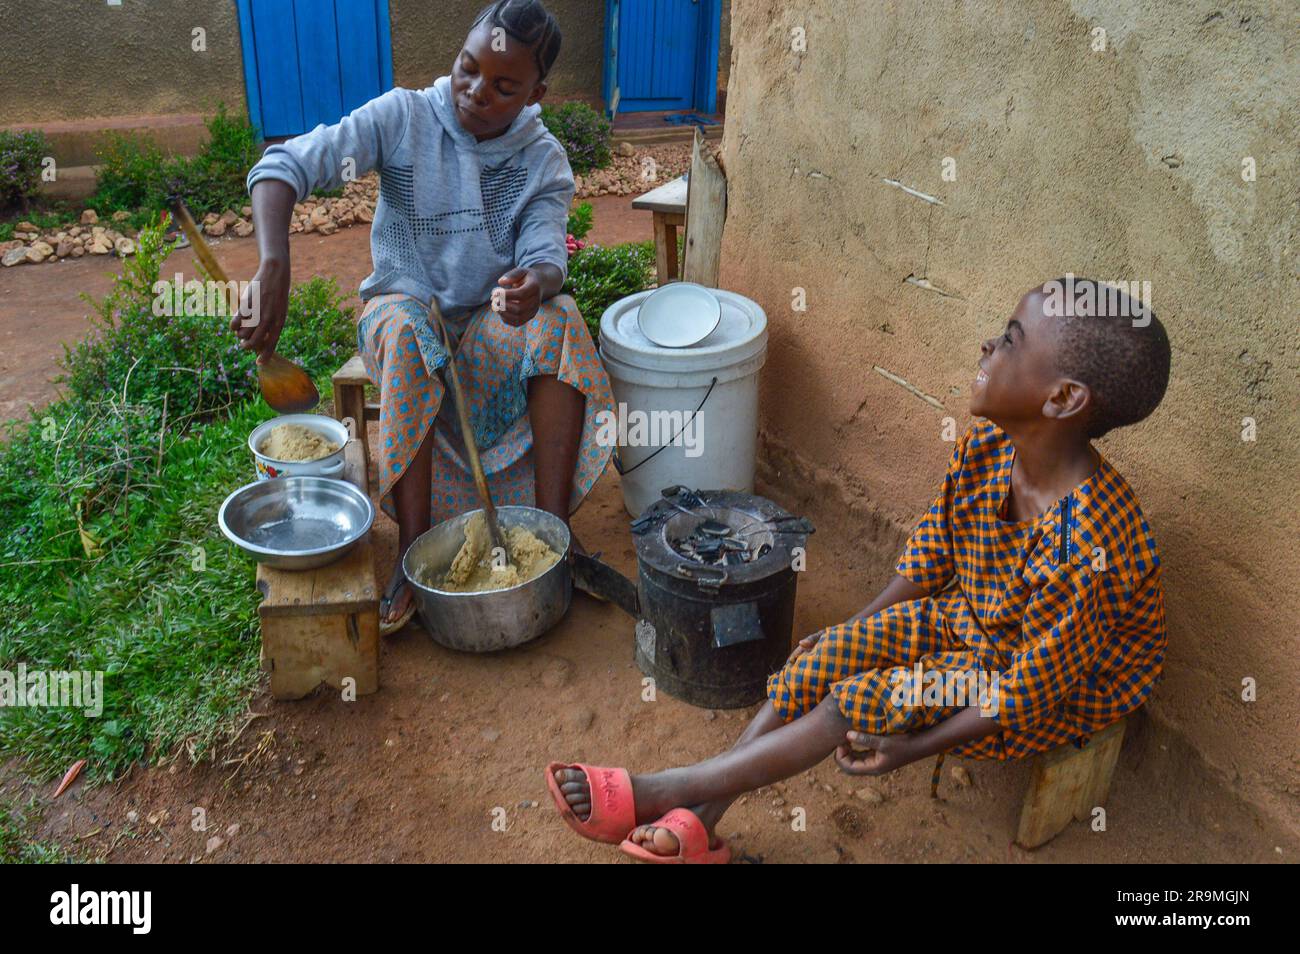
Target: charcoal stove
[(714, 596)]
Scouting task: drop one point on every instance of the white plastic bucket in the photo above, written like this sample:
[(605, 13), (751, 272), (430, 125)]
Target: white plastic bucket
[(684, 415)]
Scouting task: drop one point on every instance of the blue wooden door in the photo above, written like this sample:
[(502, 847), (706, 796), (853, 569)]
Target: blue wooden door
[(657, 53), (312, 61)]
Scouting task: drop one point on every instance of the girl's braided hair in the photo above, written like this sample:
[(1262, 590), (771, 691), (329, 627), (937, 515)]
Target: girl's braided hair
[(527, 22)]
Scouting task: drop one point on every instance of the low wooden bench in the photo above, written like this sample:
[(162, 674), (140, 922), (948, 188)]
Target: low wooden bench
[(322, 626), (350, 399), (1067, 785)]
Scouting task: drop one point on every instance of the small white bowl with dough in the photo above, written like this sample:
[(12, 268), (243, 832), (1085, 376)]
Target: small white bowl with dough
[(298, 445)]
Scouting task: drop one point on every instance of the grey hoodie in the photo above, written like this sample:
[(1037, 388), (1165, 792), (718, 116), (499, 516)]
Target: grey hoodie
[(454, 214)]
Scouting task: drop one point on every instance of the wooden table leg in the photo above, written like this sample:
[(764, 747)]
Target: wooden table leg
[(665, 241)]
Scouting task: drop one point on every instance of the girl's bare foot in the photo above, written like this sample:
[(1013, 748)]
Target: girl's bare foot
[(397, 598)]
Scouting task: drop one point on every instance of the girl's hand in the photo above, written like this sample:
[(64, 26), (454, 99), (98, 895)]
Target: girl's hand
[(862, 754), (263, 308), (521, 298)]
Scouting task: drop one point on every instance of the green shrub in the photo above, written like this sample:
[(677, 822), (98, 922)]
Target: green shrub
[(135, 176), (580, 221), (141, 351), (601, 275), (584, 133), (20, 167)]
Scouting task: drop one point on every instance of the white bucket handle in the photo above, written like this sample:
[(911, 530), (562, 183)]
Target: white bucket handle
[(618, 464)]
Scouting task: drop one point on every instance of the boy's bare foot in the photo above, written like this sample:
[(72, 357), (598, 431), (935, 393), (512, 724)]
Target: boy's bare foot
[(661, 841)]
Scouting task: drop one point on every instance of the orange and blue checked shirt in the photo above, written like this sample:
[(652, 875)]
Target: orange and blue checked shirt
[(1068, 607)]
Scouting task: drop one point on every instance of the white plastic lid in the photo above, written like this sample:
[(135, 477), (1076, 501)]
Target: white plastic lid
[(740, 335)]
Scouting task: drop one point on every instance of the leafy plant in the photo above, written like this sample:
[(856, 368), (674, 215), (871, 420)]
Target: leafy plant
[(601, 275), (20, 167), (154, 338), (580, 221), (584, 133), (136, 177)]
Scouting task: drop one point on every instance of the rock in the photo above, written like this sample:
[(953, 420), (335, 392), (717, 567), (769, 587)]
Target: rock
[(39, 252), (625, 149), (75, 231), (365, 213), (14, 256), (11, 244), (89, 217), (64, 248), (133, 816), (961, 777), (491, 735), (319, 216), (246, 211), (124, 247), (232, 830), (229, 217), (870, 795), (121, 215), (345, 218), (215, 842), (579, 720), (210, 218), (78, 251), (216, 228), (328, 227), (26, 227), (243, 229), (24, 236), (112, 235), (98, 232), (100, 246)]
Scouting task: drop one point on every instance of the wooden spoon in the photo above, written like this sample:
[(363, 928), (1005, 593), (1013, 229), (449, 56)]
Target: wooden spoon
[(285, 386), (467, 432)]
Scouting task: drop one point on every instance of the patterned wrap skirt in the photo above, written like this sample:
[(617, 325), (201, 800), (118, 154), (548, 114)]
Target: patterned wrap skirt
[(403, 352)]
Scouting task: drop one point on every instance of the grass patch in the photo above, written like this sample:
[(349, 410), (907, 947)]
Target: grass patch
[(17, 846), (112, 559)]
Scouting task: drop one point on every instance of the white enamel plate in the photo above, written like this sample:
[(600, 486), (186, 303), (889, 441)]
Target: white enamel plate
[(679, 314)]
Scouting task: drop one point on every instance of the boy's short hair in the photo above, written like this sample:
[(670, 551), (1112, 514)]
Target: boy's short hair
[(529, 23), (1115, 345)]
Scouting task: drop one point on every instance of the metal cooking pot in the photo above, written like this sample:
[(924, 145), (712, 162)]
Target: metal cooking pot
[(497, 619)]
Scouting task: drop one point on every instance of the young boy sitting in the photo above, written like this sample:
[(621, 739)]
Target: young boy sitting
[(1034, 568)]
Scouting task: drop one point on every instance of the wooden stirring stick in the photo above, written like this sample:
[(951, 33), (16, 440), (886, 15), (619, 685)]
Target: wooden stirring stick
[(285, 386), (467, 432)]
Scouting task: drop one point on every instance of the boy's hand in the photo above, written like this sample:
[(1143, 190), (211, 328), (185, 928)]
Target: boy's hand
[(804, 645), (862, 754), (521, 297)]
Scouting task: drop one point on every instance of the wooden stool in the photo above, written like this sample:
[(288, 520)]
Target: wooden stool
[(1068, 783), (350, 399), (322, 626)]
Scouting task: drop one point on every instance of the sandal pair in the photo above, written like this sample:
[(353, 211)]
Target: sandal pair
[(613, 816)]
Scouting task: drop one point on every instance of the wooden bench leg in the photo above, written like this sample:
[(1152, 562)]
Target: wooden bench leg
[(1068, 784), (350, 398)]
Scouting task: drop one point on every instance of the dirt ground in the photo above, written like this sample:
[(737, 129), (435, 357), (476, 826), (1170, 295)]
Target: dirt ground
[(452, 742)]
